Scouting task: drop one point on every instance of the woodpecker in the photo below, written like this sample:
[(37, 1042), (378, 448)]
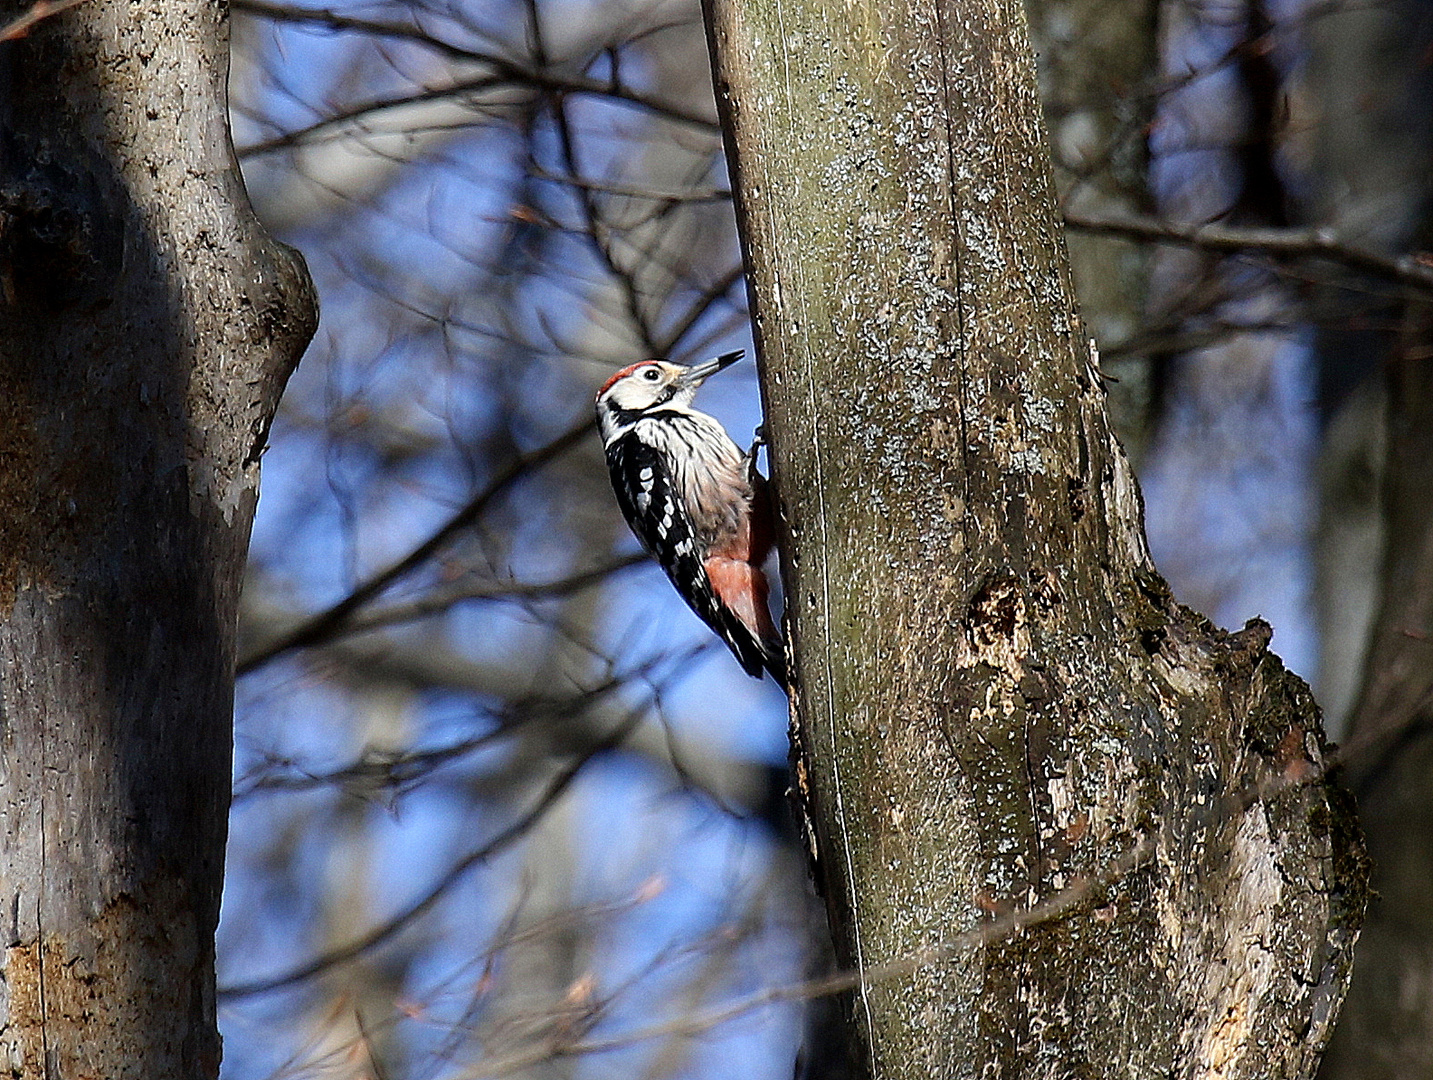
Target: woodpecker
[(695, 501)]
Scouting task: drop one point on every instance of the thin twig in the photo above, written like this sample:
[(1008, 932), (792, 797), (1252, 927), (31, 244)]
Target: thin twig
[(987, 933), (1287, 243), (502, 71), (441, 599), (320, 627), (1291, 777), (702, 195), (597, 227), (504, 838)]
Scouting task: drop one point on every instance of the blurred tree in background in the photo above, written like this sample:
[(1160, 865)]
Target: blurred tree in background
[(499, 801)]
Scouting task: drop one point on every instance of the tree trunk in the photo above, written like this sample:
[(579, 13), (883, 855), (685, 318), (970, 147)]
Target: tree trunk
[(1362, 127), (1093, 56), (997, 698), (1387, 1033), (147, 326), (1368, 139)]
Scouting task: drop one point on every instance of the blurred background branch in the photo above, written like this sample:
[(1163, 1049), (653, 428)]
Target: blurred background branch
[(497, 800)]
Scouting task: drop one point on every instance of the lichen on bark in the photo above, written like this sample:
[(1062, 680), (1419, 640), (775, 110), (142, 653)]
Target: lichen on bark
[(997, 697)]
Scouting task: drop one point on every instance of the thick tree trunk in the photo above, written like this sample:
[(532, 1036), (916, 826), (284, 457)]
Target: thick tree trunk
[(146, 328), (997, 697)]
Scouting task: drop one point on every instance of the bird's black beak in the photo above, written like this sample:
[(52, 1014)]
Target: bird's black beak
[(697, 374)]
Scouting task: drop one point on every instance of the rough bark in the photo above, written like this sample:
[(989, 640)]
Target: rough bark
[(146, 329), (996, 694)]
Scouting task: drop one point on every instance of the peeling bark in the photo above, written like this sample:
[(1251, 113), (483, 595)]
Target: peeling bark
[(997, 696), (147, 326)]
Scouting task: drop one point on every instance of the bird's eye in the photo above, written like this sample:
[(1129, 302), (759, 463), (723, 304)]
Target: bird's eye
[(651, 374)]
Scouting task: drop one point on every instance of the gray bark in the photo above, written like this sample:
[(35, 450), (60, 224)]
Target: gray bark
[(996, 695), (147, 326)]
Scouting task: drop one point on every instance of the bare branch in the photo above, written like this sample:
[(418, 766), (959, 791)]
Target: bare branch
[(320, 627), (1286, 777), (599, 232), (1063, 903), (1285, 243), (646, 194), (502, 71), (504, 839), (441, 599)]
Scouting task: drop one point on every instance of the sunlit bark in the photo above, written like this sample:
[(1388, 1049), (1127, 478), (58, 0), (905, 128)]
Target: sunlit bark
[(996, 694)]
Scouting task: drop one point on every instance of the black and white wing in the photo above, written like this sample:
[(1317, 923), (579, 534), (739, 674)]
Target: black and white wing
[(649, 500)]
